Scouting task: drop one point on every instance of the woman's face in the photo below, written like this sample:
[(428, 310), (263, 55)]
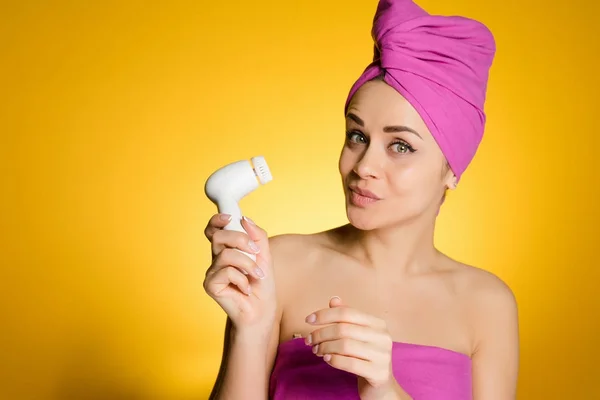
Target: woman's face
[(392, 169)]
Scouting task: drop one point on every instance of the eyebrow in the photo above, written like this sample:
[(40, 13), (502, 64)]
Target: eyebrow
[(389, 129)]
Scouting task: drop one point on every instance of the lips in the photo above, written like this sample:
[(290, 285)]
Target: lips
[(362, 197), (364, 193)]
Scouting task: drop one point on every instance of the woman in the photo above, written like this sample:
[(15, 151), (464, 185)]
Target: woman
[(372, 310)]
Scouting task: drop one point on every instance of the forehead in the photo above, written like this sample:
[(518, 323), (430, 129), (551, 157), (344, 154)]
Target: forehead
[(379, 105)]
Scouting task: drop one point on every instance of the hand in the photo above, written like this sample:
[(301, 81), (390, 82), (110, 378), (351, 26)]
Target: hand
[(357, 343), (244, 289)]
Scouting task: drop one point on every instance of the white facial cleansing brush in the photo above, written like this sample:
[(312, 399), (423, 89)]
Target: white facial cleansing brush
[(229, 184)]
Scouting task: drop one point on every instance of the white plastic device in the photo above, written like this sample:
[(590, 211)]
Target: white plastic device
[(229, 184)]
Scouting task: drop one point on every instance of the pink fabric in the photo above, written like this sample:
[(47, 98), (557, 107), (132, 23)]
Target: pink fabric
[(424, 372), (440, 64)]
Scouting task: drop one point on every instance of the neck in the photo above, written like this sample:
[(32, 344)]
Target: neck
[(403, 249)]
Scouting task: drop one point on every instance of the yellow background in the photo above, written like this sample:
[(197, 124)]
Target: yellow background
[(114, 113)]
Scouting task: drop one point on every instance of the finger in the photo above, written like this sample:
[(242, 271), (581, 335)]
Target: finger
[(344, 330), (219, 283), (260, 237), (215, 223), (233, 258), (222, 239), (357, 367), (348, 347), (345, 314), (335, 301)]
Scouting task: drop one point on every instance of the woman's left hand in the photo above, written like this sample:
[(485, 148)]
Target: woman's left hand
[(358, 343)]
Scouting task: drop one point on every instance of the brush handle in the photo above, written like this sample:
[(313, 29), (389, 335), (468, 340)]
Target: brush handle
[(231, 207)]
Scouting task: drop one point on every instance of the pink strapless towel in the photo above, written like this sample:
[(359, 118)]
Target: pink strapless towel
[(424, 372)]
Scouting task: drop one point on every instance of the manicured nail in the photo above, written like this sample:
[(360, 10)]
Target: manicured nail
[(259, 272), (308, 340), (335, 297), (327, 357), (249, 220), (249, 290), (225, 217), (315, 349), (311, 318), (253, 246)]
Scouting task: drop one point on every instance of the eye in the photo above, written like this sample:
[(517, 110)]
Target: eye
[(356, 137), (402, 147)]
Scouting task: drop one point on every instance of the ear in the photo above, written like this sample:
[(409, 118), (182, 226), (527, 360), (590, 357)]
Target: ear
[(453, 183), (450, 179)]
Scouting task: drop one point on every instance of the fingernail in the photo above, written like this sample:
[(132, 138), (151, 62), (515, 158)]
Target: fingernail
[(249, 220), (308, 340), (249, 290), (253, 246), (327, 357), (315, 349), (311, 318), (335, 297), (225, 217), (259, 272)]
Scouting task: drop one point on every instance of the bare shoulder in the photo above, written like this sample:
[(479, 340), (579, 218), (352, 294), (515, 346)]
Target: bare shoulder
[(287, 249), (493, 317), (492, 308), (288, 242), (485, 290), (293, 254), (300, 249)]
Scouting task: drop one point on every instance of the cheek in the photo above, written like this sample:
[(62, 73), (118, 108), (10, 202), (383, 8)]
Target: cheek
[(346, 162), (413, 182), (404, 180)]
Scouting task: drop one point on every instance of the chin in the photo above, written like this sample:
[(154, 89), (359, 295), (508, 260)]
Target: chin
[(364, 219), (361, 225)]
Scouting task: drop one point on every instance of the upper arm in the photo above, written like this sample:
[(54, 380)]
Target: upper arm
[(496, 355), (273, 345)]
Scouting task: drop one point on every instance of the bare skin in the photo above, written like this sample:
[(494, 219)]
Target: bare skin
[(452, 305), (382, 265), (429, 307)]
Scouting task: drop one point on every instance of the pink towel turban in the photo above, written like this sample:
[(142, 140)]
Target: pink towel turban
[(440, 64)]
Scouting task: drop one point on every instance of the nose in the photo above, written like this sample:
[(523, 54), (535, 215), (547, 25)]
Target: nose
[(370, 164)]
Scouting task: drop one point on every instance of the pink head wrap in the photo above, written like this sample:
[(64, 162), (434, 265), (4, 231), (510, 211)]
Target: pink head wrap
[(440, 64)]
